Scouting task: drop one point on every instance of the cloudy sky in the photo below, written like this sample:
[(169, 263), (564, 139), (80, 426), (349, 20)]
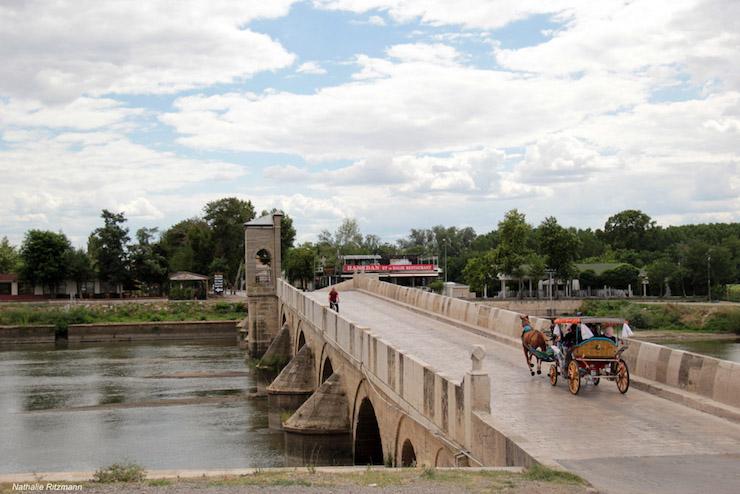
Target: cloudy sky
[(400, 113)]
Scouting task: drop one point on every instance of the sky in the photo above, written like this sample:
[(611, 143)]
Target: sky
[(402, 114)]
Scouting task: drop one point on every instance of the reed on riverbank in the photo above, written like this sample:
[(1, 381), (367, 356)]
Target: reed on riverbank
[(682, 317), (63, 316)]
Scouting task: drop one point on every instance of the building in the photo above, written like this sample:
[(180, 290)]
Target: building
[(406, 270), (14, 289)]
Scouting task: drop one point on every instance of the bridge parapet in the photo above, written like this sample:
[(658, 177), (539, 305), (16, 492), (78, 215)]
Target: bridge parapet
[(491, 320), (442, 404)]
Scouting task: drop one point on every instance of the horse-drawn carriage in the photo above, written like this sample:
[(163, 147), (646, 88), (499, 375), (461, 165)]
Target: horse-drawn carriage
[(585, 349)]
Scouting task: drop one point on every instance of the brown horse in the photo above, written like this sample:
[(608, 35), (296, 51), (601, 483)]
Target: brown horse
[(532, 339)]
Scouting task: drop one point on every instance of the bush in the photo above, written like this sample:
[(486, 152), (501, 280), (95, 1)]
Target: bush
[(120, 472), (436, 286), (728, 321)]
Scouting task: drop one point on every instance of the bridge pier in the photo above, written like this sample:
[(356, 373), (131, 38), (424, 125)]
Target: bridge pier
[(291, 388), (319, 433), (278, 353)]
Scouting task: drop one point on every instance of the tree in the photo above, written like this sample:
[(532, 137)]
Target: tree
[(621, 277), (299, 264), (512, 251), (348, 237), (589, 279), (188, 246), (43, 254), (628, 229), (9, 257), (79, 268), (226, 218), (661, 272), (148, 261), (536, 268), (559, 246), (480, 272), (107, 247)]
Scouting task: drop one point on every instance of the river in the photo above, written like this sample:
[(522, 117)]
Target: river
[(722, 349), (169, 405)]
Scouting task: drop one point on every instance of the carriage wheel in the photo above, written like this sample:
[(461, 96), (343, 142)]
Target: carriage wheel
[(623, 377), (554, 374), (574, 377)]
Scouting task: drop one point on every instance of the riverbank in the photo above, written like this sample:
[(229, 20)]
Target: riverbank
[(130, 312), (326, 479), (703, 318), (660, 335), (119, 332)]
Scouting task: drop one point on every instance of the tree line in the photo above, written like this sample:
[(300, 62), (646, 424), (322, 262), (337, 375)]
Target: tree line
[(207, 244), (683, 259)]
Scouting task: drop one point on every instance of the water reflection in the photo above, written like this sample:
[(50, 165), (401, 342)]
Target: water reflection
[(213, 425)]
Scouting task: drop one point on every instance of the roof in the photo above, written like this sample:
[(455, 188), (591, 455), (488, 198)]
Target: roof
[(360, 257), (265, 220), (609, 321), (8, 277), (187, 276)]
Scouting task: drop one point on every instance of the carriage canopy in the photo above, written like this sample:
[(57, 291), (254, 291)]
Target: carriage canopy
[(603, 321)]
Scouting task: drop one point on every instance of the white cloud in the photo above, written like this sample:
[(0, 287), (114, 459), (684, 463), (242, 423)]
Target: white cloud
[(427, 53), (470, 13), (81, 114), (61, 50), (311, 68), (410, 107), (376, 20), (64, 181)]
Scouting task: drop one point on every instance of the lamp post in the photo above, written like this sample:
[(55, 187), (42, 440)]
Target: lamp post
[(550, 272), (709, 280), (445, 243)]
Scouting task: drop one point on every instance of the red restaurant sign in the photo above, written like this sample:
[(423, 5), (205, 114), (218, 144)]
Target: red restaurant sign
[(349, 268)]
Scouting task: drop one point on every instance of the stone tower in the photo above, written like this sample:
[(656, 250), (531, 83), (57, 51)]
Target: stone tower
[(262, 267)]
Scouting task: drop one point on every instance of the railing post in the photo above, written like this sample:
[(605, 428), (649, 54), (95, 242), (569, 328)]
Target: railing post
[(477, 391)]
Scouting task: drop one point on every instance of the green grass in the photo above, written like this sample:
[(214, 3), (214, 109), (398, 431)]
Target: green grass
[(62, 317), (543, 474), (159, 482), (119, 472)]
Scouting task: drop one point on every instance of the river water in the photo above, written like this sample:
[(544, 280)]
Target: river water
[(166, 405), (722, 349)]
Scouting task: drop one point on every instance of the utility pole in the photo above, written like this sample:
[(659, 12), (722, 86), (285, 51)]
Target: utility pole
[(709, 280), (550, 272), (445, 242)]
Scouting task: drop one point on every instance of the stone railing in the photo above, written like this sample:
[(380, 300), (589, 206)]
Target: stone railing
[(708, 377), (492, 320), (712, 378), (436, 400)]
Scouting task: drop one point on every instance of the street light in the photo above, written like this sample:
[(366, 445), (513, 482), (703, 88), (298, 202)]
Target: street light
[(445, 242), (709, 281), (550, 272)]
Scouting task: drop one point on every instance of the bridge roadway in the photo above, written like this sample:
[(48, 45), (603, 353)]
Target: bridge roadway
[(628, 443)]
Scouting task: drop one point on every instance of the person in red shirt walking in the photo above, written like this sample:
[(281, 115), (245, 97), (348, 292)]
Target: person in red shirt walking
[(334, 299)]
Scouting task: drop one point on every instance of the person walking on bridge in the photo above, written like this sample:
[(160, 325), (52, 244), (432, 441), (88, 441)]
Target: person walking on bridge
[(334, 299)]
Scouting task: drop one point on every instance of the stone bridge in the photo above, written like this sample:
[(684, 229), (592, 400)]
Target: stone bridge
[(402, 377)]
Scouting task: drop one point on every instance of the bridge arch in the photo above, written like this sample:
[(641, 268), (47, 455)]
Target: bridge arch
[(443, 459), (327, 369), (368, 447), (408, 454), (300, 340)]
